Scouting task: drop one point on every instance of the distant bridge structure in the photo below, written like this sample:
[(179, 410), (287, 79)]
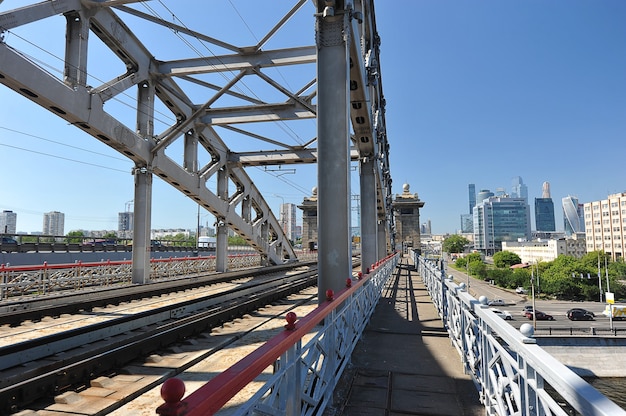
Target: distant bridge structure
[(207, 101)]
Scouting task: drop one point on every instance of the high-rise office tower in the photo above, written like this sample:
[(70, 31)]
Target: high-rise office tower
[(544, 210), (472, 196), (54, 223), (8, 222), (573, 216), (518, 189), (482, 195), (500, 219)]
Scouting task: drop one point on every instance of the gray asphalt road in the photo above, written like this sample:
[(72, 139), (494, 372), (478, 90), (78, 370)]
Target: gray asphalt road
[(515, 302)]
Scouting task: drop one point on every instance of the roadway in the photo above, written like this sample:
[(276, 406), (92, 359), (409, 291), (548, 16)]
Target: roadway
[(514, 303)]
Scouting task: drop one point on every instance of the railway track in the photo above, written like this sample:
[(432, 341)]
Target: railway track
[(35, 308), (55, 358)]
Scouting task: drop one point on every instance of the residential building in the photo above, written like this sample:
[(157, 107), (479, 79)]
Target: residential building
[(532, 252), (8, 222), (287, 219), (573, 216), (125, 222), (499, 219), (605, 225), (54, 223)]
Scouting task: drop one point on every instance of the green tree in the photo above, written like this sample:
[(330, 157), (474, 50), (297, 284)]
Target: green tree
[(472, 257), (75, 237), (454, 244), (237, 240), (478, 269), (504, 259)]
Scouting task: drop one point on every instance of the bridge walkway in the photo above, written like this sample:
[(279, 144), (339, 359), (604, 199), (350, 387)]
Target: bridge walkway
[(404, 363)]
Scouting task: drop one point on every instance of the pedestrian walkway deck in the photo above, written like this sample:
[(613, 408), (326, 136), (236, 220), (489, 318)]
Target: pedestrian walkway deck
[(404, 363)]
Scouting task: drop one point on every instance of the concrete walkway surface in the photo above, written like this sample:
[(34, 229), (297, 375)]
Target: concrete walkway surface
[(404, 363)]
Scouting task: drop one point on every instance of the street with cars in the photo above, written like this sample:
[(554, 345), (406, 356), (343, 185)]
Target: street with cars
[(549, 313)]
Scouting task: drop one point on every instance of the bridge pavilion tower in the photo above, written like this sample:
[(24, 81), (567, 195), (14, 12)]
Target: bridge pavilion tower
[(309, 221), (406, 211)]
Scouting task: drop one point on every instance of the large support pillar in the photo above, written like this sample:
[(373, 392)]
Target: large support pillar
[(406, 208), (309, 221), (369, 241), (221, 229), (334, 259), (382, 239), (141, 226), (142, 215)]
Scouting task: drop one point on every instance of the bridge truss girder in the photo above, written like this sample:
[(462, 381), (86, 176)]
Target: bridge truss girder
[(242, 207)]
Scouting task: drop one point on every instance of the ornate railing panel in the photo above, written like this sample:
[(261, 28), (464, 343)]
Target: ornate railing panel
[(513, 375), (304, 377), (47, 278)]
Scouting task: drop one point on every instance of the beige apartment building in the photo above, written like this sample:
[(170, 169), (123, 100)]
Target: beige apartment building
[(532, 252), (605, 225)]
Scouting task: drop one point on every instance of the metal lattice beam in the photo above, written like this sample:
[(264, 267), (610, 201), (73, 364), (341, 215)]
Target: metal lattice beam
[(167, 84)]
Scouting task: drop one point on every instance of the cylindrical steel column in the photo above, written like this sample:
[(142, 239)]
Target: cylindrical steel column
[(382, 239), (221, 229), (333, 158), (141, 225), (369, 228)]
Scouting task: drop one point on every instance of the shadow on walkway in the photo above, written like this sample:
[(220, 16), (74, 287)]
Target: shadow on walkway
[(404, 363)]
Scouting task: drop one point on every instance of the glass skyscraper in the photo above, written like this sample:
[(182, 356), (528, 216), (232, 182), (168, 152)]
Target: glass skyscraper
[(573, 216), (544, 214), (518, 189), (500, 219)]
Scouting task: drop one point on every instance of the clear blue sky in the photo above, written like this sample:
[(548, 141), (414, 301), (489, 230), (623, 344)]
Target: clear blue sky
[(477, 92)]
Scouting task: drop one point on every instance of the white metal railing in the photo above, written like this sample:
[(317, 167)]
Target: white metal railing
[(513, 374)]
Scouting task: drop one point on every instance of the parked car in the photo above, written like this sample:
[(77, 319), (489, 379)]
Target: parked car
[(580, 314), (521, 290), (527, 309), (502, 314), (540, 316), (496, 302)]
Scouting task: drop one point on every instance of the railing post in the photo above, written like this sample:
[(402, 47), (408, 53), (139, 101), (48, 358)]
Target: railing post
[(4, 293), (290, 388), (44, 277)]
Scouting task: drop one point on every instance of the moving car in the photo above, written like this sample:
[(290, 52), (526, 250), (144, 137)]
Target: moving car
[(580, 314), (502, 314), (496, 302), (527, 309), (540, 316)]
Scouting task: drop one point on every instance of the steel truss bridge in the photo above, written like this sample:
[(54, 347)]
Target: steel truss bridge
[(210, 99)]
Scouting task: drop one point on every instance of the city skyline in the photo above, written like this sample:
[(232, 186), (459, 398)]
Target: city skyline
[(478, 93)]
